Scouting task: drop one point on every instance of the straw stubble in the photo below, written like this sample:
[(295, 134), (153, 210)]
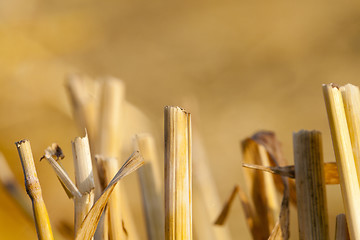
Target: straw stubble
[(178, 205)]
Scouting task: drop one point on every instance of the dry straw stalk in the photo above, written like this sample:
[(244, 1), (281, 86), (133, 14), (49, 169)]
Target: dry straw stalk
[(150, 183), (344, 157), (351, 99), (310, 186), (178, 205), (33, 189), (84, 179)]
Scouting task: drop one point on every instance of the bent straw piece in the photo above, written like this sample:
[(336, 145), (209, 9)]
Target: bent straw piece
[(150, 178), (341, 228), (178, 174), (61, 174), (9, 182), (310, 185), (116, 229), (351, 98), (33, 188), (84, 179), (91, 220), (344, 157)]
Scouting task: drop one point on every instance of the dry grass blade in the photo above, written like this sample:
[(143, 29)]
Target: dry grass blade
[(90, 222), (330, 171), (344, 157), (178, 174), (84, 179), (60, 172), (341, 229), (310, 185), (32, 184), (287, 171)]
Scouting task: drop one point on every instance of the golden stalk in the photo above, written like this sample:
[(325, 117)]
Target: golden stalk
[(91, 220), (33, 188), (351, 99), (150, 182), (310, 186), (84, 179), (341, 229), (344, 157), (178, 174)]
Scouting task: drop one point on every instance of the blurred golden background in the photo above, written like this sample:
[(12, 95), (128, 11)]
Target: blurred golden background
[(250, 65)]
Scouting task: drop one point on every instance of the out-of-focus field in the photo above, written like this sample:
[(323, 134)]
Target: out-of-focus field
[(251, 65)]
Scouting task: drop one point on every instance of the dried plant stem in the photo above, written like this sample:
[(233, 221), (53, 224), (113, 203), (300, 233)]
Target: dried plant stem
[(150, 178), (109, 166), (32, 184), (341, 229), (84, 179), (91, 220), (178, 197), (310, 186), (344, 158), (351, 99)]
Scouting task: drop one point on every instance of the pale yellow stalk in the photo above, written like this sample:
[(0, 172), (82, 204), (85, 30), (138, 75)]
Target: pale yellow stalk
[(178, 174), (344, 157), (33, 188), (351, 99), (84, 179)]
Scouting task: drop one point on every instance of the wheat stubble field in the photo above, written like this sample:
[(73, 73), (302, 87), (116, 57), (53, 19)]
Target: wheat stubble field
[(248, 66)]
